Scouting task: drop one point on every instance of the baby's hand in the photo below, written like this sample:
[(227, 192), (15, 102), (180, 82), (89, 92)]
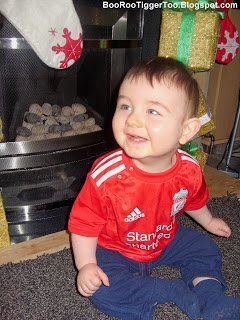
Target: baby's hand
[(89, 279), (219, 227)]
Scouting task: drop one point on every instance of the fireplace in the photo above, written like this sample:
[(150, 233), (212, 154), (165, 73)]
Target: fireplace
[(57, 122)]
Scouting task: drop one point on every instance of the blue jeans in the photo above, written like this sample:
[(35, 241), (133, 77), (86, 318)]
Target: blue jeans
[(132, 294)]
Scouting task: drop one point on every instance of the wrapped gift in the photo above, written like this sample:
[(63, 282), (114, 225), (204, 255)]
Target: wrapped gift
[(4, 236), (196, 151), (190, 36), (1, 132), (201, 157), (204, 115)]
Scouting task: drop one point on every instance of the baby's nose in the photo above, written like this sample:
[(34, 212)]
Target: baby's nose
[(135, 120)]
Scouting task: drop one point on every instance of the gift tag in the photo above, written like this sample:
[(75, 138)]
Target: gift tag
[(52, 29)]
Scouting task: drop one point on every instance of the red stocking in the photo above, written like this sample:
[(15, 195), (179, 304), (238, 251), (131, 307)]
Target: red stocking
[(228, 41)]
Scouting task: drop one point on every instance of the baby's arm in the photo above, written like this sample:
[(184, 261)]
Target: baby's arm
[(212, 224), (90, 276)]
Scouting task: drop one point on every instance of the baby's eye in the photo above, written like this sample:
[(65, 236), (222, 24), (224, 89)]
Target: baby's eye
[(125, 107), (152, 111)]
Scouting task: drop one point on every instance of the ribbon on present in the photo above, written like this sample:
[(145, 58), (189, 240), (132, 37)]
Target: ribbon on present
[(195, 150), (187, 24), (191, 148)]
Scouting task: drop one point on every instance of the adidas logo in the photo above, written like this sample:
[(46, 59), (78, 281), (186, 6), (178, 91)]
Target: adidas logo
[(134, 215)]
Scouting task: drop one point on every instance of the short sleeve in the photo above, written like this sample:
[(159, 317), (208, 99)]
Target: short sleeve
[(89, 213), (200, 194)]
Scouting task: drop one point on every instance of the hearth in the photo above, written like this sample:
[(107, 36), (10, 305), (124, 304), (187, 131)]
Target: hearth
[(57, 122)]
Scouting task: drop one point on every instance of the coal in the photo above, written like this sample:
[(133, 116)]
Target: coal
[(54, 128), (32, 118), (23, 131), (80, 117), (66, 127), (56, 110)]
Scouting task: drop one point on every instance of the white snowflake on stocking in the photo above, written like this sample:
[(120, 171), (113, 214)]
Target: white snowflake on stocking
[(231, 46)]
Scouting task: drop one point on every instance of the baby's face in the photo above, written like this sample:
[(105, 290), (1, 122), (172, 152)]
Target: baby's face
[(148, 121)]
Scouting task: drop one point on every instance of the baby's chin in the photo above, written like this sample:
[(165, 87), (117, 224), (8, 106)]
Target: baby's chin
[(135, 153)]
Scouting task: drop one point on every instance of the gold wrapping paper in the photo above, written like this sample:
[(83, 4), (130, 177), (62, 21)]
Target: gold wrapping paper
[(4, 236), (203, 110), (204, 39), (201, 158), (1, 133)]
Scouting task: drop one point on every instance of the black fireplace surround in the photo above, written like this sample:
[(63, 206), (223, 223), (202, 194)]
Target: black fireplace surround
[(40, 179)]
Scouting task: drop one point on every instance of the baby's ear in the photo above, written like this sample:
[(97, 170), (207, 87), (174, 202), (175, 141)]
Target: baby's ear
[(190, 128)]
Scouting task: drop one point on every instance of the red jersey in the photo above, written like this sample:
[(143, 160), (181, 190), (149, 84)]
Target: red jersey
[(132, 211)]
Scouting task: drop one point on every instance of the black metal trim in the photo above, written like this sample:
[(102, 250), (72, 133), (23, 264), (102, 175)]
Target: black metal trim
[(22, 44), (36, 208), (9, 149), (53, 158)]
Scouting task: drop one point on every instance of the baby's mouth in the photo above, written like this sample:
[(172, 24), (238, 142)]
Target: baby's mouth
[(136, 139)]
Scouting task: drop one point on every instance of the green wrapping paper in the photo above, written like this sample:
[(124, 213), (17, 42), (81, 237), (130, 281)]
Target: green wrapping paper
[(195, 150), (191, 148)]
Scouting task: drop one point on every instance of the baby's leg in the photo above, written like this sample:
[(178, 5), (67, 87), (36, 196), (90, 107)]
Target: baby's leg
[(200, 261), (209, 286), (134, 297), (214, 303)]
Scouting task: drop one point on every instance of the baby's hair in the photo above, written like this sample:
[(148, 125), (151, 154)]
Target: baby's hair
[(170, 71)]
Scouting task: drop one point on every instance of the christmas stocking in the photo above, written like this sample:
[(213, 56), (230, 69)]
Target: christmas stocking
[(52, 28), (228, 41)]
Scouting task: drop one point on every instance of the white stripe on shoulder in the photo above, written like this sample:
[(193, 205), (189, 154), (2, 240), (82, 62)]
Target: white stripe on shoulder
[(190, 159), (184, 152), (109, 174), (105, 166), (108, 157)]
